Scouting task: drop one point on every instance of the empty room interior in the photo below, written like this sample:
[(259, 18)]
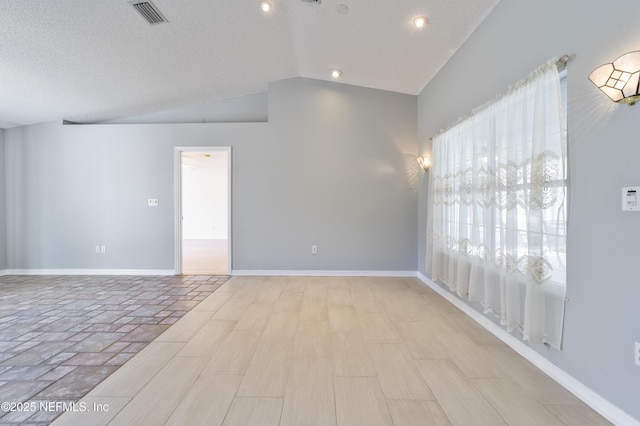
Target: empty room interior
[(319, 212)]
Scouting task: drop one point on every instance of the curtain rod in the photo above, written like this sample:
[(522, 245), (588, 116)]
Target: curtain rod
[(561, 63)]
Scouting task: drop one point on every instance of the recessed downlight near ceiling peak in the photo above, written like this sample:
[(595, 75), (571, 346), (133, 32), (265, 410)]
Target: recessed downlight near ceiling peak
[(420, 21), (266, 5), (342, 9)]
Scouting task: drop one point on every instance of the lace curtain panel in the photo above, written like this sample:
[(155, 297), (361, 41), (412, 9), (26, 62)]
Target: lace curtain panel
[(499, 195)]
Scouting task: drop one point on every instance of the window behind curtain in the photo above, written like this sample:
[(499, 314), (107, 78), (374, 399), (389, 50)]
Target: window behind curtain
[(499, 206)]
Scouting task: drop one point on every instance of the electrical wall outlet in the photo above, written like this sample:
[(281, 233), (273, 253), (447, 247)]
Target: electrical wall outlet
[(314, 249), (152, 202), (636, 356), (97, 249), (103, 249)]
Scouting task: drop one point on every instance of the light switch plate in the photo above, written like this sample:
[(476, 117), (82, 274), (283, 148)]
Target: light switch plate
[(631, 198)]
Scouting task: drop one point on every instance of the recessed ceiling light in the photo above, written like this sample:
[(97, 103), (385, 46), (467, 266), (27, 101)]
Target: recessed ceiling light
[(420, 21), (265, 5), (336, 73), (342, 9)]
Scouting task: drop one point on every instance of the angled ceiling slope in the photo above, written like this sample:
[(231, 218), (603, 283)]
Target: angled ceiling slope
[(96, 60)]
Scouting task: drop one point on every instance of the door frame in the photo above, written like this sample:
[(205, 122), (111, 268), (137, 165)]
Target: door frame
[(177, 183)]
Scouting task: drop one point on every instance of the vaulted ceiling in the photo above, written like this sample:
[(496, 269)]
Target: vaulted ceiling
[(97, 60)]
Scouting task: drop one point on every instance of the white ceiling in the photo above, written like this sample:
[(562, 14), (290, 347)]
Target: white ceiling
[(205, 160), (97, 60)]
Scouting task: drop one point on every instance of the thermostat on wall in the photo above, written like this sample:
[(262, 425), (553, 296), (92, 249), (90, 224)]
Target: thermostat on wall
[(631, 198)]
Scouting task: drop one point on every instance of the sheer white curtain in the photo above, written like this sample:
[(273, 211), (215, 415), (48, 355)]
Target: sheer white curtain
[(499, 196)]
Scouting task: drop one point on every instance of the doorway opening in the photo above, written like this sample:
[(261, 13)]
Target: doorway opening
[(203, 210)]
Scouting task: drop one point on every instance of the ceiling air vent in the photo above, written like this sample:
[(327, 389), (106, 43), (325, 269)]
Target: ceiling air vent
[(149, 12)]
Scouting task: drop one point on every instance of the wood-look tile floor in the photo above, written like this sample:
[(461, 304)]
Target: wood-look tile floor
[(296, 351)]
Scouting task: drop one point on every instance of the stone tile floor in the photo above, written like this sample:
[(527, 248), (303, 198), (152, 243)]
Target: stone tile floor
[(60, 336)]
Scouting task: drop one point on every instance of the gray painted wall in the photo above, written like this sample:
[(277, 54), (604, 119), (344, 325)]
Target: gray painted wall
[(245, 109), (602, 320), (348, 181), (3, 221), (330, 168)]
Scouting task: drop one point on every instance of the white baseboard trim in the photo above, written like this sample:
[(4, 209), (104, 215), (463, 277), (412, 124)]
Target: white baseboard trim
[(588, 396), (88, 272), (320, 273)]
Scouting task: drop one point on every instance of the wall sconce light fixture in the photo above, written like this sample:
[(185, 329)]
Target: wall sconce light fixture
[(425, 163), (620, 79)]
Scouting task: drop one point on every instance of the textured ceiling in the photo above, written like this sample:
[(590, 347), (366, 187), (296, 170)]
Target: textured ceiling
[(97, 60)]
